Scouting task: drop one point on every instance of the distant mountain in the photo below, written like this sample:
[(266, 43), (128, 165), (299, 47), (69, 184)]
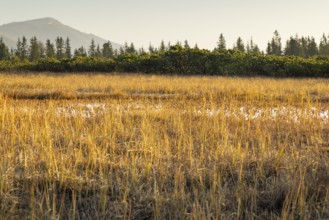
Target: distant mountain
[(48, 28)]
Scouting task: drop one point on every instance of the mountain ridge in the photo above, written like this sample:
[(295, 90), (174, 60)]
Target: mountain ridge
[(48, 28)]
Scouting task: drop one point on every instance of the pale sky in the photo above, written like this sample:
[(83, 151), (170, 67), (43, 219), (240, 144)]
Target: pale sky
[(198, 21)]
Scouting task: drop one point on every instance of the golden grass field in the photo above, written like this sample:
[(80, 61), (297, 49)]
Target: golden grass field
[(163, 147)]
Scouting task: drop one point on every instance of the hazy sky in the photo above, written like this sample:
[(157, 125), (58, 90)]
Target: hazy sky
[(198, 21)]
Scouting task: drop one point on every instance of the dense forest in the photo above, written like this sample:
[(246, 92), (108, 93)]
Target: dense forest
[(300, 57)]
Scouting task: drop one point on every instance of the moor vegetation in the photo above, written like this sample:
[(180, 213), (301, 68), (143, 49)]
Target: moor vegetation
[(163, 147)]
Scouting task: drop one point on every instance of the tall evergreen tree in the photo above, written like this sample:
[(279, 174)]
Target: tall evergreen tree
[(239, 45), (68, 53), (18, 51), (303, 47), (293, 47), (4, 52), (115, 53), (98, 52), (22, 48), (42, 49), (35, 50), (324, 46), (162, 47), (60, 48), (196, 47), (92, 49), (312, 47), (107, 50), (186, 45), (252, 47), (130, 49), (275, 47), (50, 49), (141, 51), (80, 52), (151, 49), (221, 44), (121, 51), (25, 50)]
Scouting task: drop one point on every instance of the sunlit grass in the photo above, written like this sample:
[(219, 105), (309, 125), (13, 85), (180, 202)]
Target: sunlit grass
[(164, 147)]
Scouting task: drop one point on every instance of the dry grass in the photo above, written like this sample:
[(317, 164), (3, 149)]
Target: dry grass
[(145, 147)]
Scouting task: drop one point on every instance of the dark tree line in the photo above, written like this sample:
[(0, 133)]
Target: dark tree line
[(60, 49), (295, 46), (34, 49), (301, 57)]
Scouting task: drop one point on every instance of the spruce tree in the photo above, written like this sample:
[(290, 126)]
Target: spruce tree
[(34, 51), (50, 49), (80, 52), (92, 49), (107, 51), (151, 49), (121, 51), (252, 47), (303, 47), (275, 47), (293, 46), (60, 50), (196, 47), (221, 44), (18, 51), (239, 45), (4, 52), (186, 45), (68, 53), (324, 46), (130, 49), (276, 44), (162, 47), (98, 53), (24, 49), (312, 48)]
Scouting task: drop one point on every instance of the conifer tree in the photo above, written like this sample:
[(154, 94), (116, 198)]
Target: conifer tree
[(324, 46), (275, 47), (4, 52), (22, 49), (151, 49), (107, 51), (115, 53), (162, 47), (68, 53), (252, 47), (239, 45), (186, 45), (35, 50), (312, 48), (196, 47), (18, 50), (98, 52), (293, 46), (60, 50), (121, 51), (141, 51), (130, 49), (80, 52), (221, 44), (50, 49), (92, 49)]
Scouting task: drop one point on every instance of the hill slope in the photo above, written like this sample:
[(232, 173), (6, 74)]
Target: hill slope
[(48, 28)]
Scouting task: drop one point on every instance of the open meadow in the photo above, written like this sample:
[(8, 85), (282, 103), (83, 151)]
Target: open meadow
[(123, 146)]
